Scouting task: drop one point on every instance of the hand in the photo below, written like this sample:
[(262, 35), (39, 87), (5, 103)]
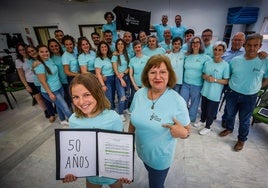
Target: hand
[(104, 88), (177, 130), (69, 178), (123, 83), (29, 89), (120, 75), (115, 53), (136, 88), (125, 180), (262, 55), (52, 96), (210, 79)]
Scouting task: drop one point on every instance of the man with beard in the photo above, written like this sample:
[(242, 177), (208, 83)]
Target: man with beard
[(207, 38)]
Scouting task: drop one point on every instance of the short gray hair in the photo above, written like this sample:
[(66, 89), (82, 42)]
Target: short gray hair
[(220, 43)]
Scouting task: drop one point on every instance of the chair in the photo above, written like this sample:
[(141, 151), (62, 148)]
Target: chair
[(256, 117), (13, 87)]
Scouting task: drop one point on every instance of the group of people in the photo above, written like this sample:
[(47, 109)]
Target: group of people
[(159, 79)]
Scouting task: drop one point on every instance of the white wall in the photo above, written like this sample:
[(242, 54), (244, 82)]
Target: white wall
[(15, 15)]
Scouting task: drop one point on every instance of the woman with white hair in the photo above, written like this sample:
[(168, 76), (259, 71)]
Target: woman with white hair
[(215, 74)]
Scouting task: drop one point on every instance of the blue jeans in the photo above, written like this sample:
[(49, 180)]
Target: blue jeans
[(123, 93), (49, 105), (244, 105), (61, 106), (156, 177), (110, 93), (67, 95), (208, 110), (177, 88), (191, 93)]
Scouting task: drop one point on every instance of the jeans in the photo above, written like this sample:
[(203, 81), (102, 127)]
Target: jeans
[(208, 110), (110, 93), (192, 93), (61, 106), (177, 88), (156, 177), (123, 93), (49, 105), (67, 95), (244, 105)]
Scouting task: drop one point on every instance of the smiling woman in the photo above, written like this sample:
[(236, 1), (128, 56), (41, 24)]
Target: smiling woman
[(92, 110), (158, 109), (51, 87)]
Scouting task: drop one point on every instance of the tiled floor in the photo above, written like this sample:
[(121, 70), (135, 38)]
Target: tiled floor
[(27, 155)]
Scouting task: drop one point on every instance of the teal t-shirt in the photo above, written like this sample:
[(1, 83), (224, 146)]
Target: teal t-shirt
[(107, 120), (111, 27), (130, 51), (149, 52), (53, 80), (178, 31), (209, 50), (154, 143), (246, 75), (213, 90), (124, 64), (71, 60), (137, 64), (177, 62), (160, 28), (87, 60), (166, 46), (105, 65), (193, 67), (58, 62)]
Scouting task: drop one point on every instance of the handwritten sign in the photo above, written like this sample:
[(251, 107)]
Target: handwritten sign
[(89, 152)]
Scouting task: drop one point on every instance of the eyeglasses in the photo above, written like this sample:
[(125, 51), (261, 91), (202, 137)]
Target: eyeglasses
[(197, 42)]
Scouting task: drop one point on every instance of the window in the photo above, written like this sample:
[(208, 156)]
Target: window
[(264, 29), (86, 30)]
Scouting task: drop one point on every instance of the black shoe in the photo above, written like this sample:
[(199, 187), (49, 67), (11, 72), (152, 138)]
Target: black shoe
[(46, 114), (34, 102), (223, 124)]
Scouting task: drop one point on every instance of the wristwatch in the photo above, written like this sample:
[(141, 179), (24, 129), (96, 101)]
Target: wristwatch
[(215, 80)]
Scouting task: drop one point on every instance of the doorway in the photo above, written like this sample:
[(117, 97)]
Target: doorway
[(44, 33)]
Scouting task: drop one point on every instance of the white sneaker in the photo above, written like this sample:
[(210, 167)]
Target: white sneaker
[(64, 122), (127, 112), (123, 117), (204, 131), (199, 124)]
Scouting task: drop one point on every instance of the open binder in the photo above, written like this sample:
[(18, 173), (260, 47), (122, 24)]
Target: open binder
[(94, 152)]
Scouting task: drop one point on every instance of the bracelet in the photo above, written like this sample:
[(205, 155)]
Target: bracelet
[(103, 85)]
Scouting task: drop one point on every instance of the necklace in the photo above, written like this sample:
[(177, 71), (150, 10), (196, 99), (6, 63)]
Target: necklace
[(155, 101)]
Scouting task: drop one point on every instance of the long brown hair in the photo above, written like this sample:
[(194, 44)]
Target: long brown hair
[(92, 84), (39, 58)]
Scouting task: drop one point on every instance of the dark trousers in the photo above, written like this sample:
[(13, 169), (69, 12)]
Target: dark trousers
[(244, 105), (209, 109)]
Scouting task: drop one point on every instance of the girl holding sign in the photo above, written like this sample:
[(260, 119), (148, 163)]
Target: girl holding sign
[(92, 110)]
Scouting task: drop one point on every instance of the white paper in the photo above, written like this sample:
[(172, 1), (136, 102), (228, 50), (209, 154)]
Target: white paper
[(115, 155), (77, 153)]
